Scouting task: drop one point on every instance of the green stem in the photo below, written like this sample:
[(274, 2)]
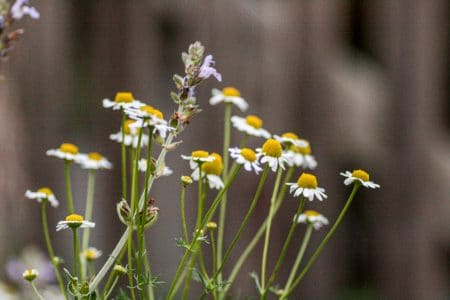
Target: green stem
[(88, 216), (325, 240), (248, 250), (249, 213), (183, 214), (214, 251), (68, 186), (76, 253), (223, 205), (269, 225), (200, 197), (287, 242), (298, 260), (51, 253), (130, 263), (111, 288), (124, 158), (33, 285)]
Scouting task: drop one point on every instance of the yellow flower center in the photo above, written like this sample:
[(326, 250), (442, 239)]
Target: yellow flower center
[(199, 154), (127, 129), (69, 148), (290, 135), (124, 97), (95, 156), (157, 113), (254, 121), (90, 254), (211, 225), (307, 181), (302, 150), (45, 190), (272, 148), (213, 167), (74, 218), (248, 154), (231, 91), (311, 213), (361, 174)]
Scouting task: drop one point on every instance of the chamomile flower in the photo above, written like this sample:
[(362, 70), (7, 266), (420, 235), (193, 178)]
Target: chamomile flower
[(197, 157), (360, 176), (91, 254), (148, 116), (93, 161), (251, 125), (74, 221), (272, 153), (211, 170), (290, 138), (300, 156), (130, 138), (246, 157), (122, 100), (228, 95), (66, 151), (307, 187), (312, 217), (142, 166), (30, 274), (43, 194)]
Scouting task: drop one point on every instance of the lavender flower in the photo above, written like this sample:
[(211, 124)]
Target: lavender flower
[(207, 69), (20, 9)]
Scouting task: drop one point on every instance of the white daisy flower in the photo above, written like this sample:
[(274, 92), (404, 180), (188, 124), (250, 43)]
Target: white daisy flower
[(307, 186), (130, 138), (246, 157), (301, 157), (312, 217), (147, 116), (74, 221), (142, 166), (360, 176), (251, 125), (228, 95), (66, 151), (122, 101), (271, 153), (93, 161), (43, 194), (91, 254), (197, 157), (19, 9), (211, 170), (30, 274), (290, 138)]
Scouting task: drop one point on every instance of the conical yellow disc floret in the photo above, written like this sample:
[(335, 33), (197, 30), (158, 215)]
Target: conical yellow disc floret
[(69, 148), (290, 135), (307, 181), (127, 129), (248, 154), (90, 254), (302, 150), (200, 154), (361, 174), (124, 97), (272, 148), (45, 190), (157, 113), (211, 225), (214, 167), (95, 156), (74, 218), (231, 91), (254, 121), (311, 213)]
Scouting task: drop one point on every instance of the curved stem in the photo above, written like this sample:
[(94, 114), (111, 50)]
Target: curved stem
[(111, 288), (68, 186), (33, 285), (183, 214), (325, 240)]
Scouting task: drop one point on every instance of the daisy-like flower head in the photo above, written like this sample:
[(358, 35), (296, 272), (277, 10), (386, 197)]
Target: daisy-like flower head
[(307, 186), (211, 225), (93, 161), (272, 153), (290, 138), (142, 166), (131, 137), (207, 69), (228, 95), (43, 194), (20, 9), (197, 157), (30, 274), (66, 151), (74, 221), (312, 217), (91, 254), (361, 177), (251, 125), (119, 270), (186, 180), (148, 116), (211, 170), (246, 157), (300, 156), (122, 100)]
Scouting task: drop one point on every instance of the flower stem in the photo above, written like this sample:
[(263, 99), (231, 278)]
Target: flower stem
[(76, 253), (123, 150), (88, 216), (269, 225), (200, 197), (33, 285), (325, 240), (214, 251), (111, 288), (68, 186), (183, 214), (298, 260), (51, 253)]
